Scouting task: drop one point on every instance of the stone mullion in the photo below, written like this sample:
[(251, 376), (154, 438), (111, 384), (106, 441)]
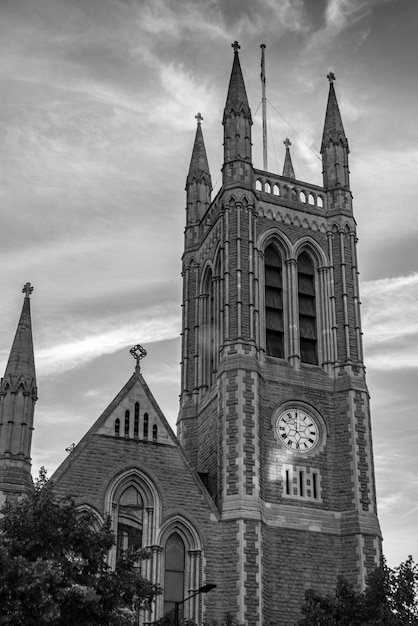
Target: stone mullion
[(325, 322), (196, 330), (185, 331), (344, 296), (221, 311), (217, 321), (157, 576), (203, 331), (333, 320), (226, 275), (194, 584), (290, 313), (252, 275), (238, 210), (260, 307), (357, 316)]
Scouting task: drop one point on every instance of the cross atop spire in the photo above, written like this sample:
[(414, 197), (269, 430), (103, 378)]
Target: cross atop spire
[(27, 290), (199, 118), (288, 170), (236, 46), (331, 77)]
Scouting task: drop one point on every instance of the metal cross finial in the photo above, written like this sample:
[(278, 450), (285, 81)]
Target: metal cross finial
[(138, 352), (331, 77), (199, 118), (236, 46), (27, 290), (287, 143)]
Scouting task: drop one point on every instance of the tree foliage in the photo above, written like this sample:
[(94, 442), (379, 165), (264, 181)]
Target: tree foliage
[(390, 599), (53, 566)]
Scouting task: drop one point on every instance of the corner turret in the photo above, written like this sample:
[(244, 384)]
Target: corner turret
[(198, 182), (335, 151), (237, 122), (18, 394)]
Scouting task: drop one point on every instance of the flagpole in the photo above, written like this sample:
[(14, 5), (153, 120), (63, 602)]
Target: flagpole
[(263, 102)]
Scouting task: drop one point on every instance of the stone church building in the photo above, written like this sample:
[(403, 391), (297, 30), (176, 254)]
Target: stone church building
[(268, 488)]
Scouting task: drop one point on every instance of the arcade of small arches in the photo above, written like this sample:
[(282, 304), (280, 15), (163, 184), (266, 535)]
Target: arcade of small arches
[(289, 192), (134, 505)]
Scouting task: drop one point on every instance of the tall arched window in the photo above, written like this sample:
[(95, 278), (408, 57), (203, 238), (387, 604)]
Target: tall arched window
[(146, 422), (127, 419), (307, 310), (136, 420), (274, 302), (208, 341), (174, 571), (130, 508)]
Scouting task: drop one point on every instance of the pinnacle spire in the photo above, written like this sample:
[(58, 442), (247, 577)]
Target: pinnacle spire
[(236, 99), (199, 167), (333, 126), (288, 166), (21, 364)]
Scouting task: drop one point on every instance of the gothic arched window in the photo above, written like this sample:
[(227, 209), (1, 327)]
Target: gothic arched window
[(136, 420), (155, 432), (127, 419), (117, 426), (129, 527), (146, 421), (174, 571), (274, 302), (307, 310)]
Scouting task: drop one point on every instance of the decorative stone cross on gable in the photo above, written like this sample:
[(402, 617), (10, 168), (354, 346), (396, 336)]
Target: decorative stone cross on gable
[(331, 77), (236, 46), (199, 118), (287, 143), (138, 352), (27, 290)]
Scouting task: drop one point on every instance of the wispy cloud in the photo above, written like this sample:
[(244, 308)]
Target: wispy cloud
[(160, 324), (390, 321)]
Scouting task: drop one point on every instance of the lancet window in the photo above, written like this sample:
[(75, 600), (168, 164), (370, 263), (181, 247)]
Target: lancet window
[(274, 302), (130, 520), (307, 310), (174, 571)]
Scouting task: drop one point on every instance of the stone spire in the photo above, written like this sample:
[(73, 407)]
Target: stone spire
[(18, 394), (237, 124), (199, 167), (198, 182), (288, 165), (334, 146)]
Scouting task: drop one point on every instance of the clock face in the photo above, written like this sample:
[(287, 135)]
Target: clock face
[(297, 430)]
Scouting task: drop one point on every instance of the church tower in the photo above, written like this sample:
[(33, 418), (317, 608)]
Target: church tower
[(18, 394), (274, 409)]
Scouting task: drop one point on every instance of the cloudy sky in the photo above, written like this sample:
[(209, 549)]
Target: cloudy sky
[(97, 123)]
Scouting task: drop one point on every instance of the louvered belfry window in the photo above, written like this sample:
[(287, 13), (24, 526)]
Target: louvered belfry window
[(307, 310), (274, 302)]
